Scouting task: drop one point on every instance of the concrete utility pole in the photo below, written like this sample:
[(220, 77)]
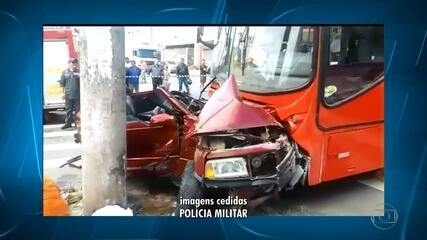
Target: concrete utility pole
[(103, 116)]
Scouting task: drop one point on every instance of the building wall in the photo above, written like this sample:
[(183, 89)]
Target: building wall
[(159, 37), (176, 53), (207, 55), (202, 52), (173, 54), (190, 56)]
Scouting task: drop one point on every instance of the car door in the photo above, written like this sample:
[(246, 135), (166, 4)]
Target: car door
[(351, 102), (155, 138), (151, 141)]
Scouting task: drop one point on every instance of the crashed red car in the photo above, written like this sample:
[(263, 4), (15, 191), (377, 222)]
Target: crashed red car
[(159, 132), (227, 134)]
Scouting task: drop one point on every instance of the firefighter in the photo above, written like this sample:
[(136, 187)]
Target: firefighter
[(70, 81)]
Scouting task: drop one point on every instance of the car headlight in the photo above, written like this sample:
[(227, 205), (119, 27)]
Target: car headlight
[(226, 168)]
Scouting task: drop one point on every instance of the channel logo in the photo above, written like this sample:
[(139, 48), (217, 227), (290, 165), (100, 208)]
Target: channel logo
[(386, 221)]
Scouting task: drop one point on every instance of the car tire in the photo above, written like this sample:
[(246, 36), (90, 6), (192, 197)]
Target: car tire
[(192, 188)]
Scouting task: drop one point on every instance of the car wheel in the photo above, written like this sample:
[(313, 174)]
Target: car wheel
[(191, 188)]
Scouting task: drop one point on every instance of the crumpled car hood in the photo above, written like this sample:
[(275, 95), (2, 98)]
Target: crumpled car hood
[(226, 111)]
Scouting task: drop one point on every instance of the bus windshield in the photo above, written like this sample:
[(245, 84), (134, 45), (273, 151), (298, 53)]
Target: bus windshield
[(272, 59), (221, 54)]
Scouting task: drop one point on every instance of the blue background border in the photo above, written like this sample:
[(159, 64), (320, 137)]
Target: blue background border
[(21, 116)]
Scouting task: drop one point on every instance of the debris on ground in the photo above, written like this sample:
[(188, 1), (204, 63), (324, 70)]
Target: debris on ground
[(74, 200), (113, 210), (157, 196), (158, 204), (76, 209)]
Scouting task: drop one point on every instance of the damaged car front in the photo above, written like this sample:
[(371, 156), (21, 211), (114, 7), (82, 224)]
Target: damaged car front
[(259, 158), (242, 149)]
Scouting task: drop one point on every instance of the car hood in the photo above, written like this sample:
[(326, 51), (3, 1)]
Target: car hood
[(226, 111)]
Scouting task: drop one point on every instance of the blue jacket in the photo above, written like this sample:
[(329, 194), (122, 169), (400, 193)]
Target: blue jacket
[(132, 75)]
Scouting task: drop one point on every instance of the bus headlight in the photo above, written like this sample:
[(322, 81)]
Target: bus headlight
[(226, 168)]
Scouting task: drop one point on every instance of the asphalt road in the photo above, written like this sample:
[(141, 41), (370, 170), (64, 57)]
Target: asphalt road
[(355, 196), (58, 147), (360, 195)]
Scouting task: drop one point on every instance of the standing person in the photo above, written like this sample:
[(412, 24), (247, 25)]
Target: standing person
[(157, 73), (143, 67), (203, 73), (70, 81), (132, 77), (127, 62), (183, 75), (166, 84)]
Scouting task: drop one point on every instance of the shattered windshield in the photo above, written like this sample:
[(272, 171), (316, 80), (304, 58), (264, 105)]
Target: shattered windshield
[(273, 59)]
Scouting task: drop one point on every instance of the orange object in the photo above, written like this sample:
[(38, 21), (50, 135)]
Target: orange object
[(53, 203)]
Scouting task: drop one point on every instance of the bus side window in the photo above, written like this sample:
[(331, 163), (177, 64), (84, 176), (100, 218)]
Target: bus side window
[(356, 60)]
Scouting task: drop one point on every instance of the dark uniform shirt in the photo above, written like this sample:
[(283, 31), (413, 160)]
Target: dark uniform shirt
[(203, 72), (70, 81), (203, 69), (182, 70)]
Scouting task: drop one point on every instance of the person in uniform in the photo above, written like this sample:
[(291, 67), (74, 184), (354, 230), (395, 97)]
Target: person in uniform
[(183, 75), (157, 74), (70, 81), (143, 66), (203, 73)]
